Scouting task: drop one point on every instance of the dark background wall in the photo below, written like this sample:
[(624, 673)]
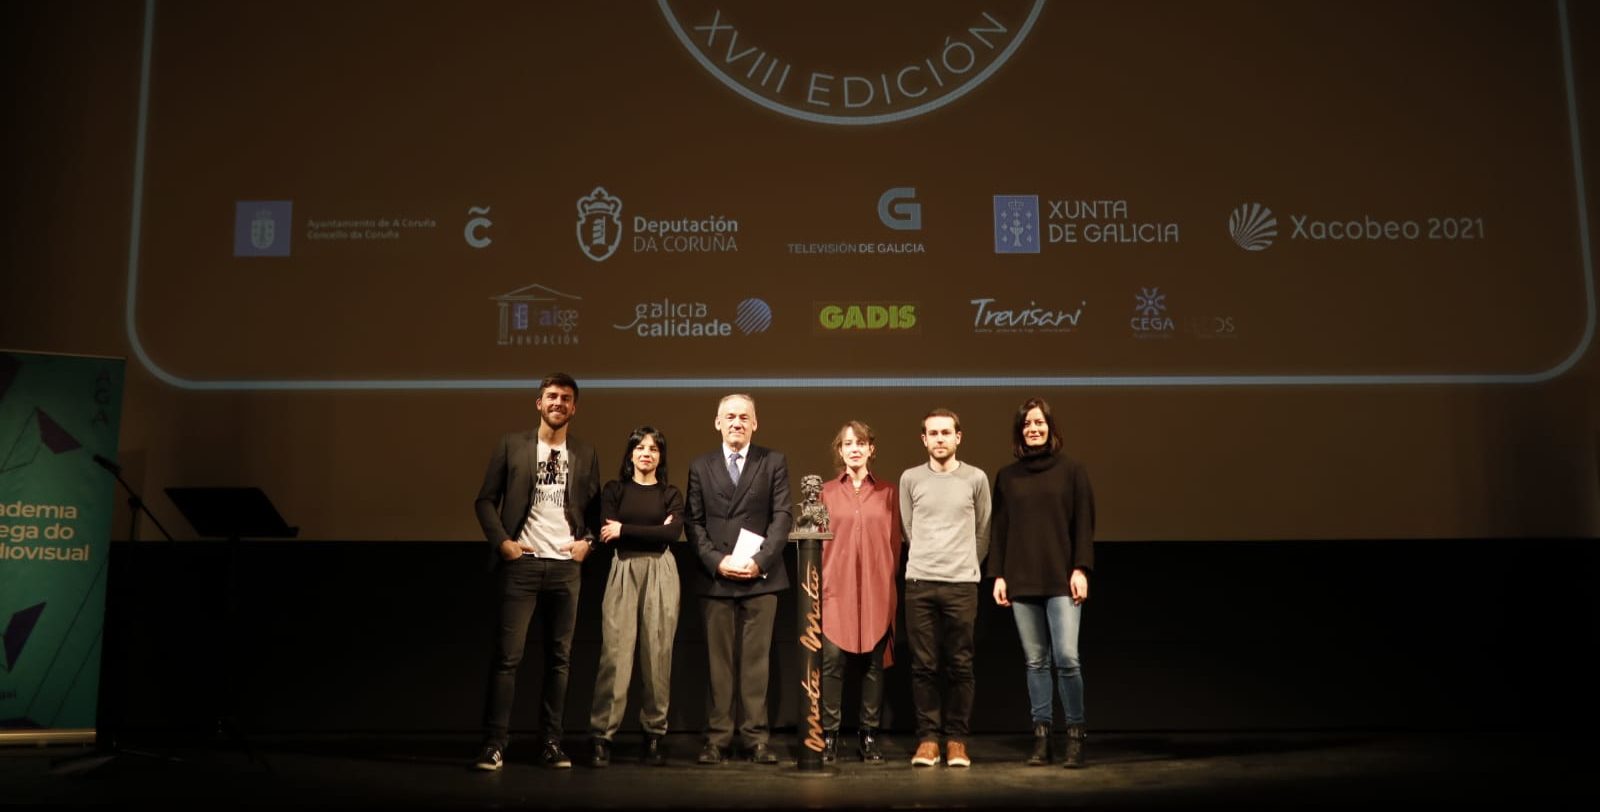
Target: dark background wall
[(1455, 618), (339, 637)]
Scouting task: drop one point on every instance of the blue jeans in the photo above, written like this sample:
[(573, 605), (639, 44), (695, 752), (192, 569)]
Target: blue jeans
[(1049, 627)]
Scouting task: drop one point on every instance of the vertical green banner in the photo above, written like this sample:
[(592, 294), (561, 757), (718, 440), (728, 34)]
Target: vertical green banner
[(57, 413)]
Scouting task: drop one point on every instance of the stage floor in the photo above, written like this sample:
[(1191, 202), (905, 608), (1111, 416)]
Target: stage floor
[(1124, 769)]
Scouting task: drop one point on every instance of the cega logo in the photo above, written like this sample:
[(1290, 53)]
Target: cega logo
[(1252, 226), (898, 215), (599, 224), (866, 317), (792, 62), (1150, 314)]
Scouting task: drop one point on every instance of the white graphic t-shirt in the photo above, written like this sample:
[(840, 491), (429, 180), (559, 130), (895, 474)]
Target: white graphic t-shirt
[(547, 515)]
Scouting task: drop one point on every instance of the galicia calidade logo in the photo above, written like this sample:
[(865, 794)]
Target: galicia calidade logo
[(667, 318), (898, 209), (599, 224), (1016, 224), (1252, 226), (261, 228), (474, 232), (753, 316)]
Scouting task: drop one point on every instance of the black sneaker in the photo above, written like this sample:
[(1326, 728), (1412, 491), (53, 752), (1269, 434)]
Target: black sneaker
[(553, 755), (491, 759)]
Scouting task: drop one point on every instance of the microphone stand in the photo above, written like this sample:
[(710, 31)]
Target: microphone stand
[(108, 751), (136, 504)]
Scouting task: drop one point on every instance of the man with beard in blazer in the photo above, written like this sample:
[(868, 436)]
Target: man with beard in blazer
[(741, 487), (538, 508)]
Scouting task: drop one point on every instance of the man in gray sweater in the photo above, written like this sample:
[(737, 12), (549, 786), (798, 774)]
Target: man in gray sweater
[(945, 507)]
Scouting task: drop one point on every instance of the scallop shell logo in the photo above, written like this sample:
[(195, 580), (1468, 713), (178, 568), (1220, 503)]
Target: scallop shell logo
[(753, 316), (1252, 226)]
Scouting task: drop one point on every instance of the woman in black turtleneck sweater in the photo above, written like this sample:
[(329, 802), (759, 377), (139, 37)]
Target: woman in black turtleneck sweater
[(641, 516), (1041, 552)]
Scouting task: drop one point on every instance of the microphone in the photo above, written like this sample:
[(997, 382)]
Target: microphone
[(107, 464)]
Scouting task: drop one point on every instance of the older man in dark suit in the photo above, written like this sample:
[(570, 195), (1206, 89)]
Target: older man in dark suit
[(538, 510), (740, 491)]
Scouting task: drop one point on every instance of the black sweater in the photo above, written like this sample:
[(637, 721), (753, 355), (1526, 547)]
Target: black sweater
[(642, 509), (1042, 525)]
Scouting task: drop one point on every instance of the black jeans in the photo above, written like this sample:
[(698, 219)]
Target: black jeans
[(528, 584), (940, 617), (834, 660)]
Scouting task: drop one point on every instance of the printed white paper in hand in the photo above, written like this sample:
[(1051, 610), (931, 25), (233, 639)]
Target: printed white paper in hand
[(747, 546)]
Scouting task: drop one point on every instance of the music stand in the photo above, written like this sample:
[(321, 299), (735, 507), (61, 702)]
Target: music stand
[(232, 514)]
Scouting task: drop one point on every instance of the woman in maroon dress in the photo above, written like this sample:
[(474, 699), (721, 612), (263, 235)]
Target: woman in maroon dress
[(859, 569)]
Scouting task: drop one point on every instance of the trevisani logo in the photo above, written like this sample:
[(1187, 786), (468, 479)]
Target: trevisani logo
[(261, 228), (988, 317), (866, 317), (536, 316), (670, 319)]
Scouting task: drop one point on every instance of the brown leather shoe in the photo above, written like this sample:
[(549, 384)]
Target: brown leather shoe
[(955, 754), (927, 755)]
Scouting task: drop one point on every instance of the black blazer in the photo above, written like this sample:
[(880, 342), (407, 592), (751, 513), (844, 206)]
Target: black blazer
[(507, 491), (717, 510)]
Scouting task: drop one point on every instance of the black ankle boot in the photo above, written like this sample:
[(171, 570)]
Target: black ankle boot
[(652, 755), (830, 748), (870, 752), (1041, 745), (1076, 736)]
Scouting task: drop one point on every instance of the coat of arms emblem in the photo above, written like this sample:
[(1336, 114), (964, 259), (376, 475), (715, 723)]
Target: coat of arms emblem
[(599, 224)]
